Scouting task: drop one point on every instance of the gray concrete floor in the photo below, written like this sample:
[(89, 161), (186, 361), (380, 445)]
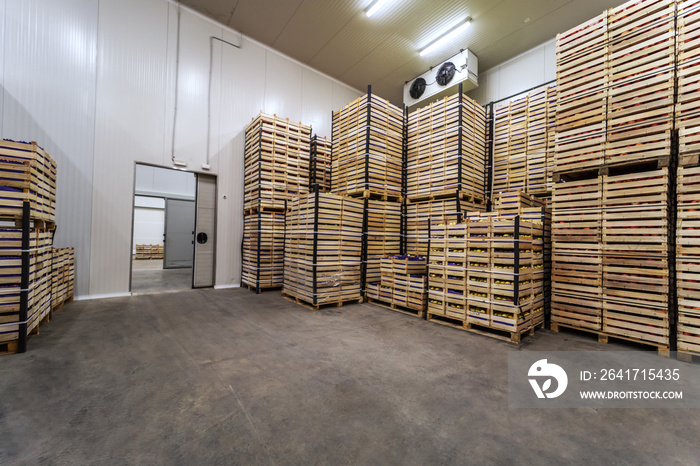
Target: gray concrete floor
[(229, 377), (149, 276)]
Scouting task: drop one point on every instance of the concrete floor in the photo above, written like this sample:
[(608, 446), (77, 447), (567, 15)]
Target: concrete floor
[(229, 377), (149, 276)]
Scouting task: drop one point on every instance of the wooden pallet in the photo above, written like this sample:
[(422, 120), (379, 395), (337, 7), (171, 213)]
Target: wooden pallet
[(8, 347), (318, 307), (663, 350), (420, 313), (512, 337), (259, 290)]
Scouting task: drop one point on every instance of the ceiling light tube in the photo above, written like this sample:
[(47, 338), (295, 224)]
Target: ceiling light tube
[(446, 37), (375, 7)]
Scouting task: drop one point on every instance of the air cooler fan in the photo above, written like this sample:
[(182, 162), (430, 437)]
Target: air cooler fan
[(445, 73), (417, 88)]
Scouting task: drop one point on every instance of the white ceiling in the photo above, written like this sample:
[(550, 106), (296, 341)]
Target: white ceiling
[(336, 37)]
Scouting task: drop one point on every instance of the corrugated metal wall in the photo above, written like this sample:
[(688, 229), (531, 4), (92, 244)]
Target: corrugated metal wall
[(94, 82)]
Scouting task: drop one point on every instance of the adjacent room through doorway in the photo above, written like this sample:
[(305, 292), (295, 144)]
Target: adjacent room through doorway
[(163, 231)]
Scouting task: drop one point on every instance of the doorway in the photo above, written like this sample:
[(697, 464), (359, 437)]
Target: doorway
[(171, 210)]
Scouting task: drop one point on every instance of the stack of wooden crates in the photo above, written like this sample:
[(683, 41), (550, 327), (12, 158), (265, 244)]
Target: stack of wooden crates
[(149, 251), (612, 254), (445, 166), (367, 164), (277, 156), (487, 275), (62, 276), (688, 182), (524, 143), (402, 284), (322, 249), (27, 215), (320, 170)]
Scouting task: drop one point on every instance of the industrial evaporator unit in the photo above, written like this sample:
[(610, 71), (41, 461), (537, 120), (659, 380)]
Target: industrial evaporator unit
[(443, 80)]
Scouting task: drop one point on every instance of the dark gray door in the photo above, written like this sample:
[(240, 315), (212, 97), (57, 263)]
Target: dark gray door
[(179, 229), (205, 233)]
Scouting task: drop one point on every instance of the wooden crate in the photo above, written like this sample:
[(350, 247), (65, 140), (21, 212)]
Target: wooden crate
[(62, 276), (39, 293), (582, 88), (403, 265), (688, 75), (320, 169), (488, 272), (382, 235), (446, 150), (27, 173), (576, 212), (277, 156), (368, 148), (421, 215), (611, 269), (149, 251), (263, 250), (403, 284), (641, 77), (323, 245), (522, 155), (582, 78), (688, 260)]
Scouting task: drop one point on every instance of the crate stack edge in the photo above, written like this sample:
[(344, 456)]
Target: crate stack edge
[(62, 276), (277, 169)]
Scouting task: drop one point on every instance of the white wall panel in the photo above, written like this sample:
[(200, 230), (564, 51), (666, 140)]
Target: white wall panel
[(343, 95), (193, 89), (317, 98), (149, 226), (2, 59), (130, 123), (242, 97), (48, 83), (533, 68), (282, 87), (94, 83)]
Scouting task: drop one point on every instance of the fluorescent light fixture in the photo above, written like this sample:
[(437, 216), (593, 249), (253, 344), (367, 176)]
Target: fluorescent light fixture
[(446, 37), (375, 7)]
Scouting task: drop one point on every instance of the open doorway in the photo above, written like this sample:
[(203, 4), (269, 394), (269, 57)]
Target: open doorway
[(163, 230)]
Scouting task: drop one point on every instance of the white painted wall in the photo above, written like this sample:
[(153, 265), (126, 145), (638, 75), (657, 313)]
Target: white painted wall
[(94, 83), (533, 68), (149, 220)]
